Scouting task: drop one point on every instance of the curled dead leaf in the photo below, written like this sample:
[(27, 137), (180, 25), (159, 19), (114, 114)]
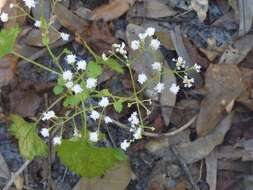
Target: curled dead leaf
[(201, 7)]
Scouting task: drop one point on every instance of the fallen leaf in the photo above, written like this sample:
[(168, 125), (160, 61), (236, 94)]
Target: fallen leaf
[(142, 64), (116, 178), (7, 69), (158, 9), (211, 169), (4, 170), (246, 16), (111, 11), (201, 7), (19, 182), (220, 92), (165, 39), (238, 51)]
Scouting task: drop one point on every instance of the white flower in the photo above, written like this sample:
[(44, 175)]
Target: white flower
[(133, 119), (103, 102), (71, 58), (29, 3), (120, 48), (142, 78), (4, 17), (94, 115), (104, 57), (77, 133), (180, 63), (67, 75), (93, 136), (150, 31), (48, 115), (69, 84), (11, 5), (77, 89), (91, 83), (197, 67), (57, 140), (37, 23), (138, 133), (81, 65), (124, 145), (159, 87), (155, 44), (174, 88), (135, 44), (108, 119), (44, 132), (64, 36), (142, 36), (156, 66), (188, 82)]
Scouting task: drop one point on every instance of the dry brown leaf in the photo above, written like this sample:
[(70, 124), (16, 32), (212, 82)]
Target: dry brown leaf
[(158, 9), (7, 69), (201, 7), (116, 178), (223, 84), (19, 182), (165, 39), (111, 11), (211, 169)]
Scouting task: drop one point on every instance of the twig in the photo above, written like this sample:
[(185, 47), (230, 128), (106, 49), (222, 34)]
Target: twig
[(184, 168), (16, 174)]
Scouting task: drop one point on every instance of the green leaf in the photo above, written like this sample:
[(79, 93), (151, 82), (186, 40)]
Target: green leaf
[(76, 99), (61, 81), (114, 65), (93, 70), (87, 160), (30, 144), (118, 106), (7, 40), (104, 92), (58, 89)]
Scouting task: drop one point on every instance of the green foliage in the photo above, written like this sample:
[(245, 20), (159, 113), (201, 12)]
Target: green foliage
[(94, 70), (87, 160), (114, 65), (118, 106), (75, 99), (58, 89), (30, 144), (7, 40)]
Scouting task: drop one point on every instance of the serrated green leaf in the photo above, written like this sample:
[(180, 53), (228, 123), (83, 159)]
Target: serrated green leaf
[(58, 89), (76, 99), (87, 160), (7, 40), (114, 65), (93, 70), (61, 81), (30, 144), (104, 92), (118, 106)]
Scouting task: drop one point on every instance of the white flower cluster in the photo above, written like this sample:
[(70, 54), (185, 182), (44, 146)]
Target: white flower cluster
[(48, 115), (4, 17), (30, 3), (150, 32), (120, 48)]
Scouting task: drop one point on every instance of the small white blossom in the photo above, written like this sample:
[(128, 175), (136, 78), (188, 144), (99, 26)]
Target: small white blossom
[(150, 31), (174, 88), (197, 67), (93, 136), (138, 133), (71, 58), (180, 63), (48, 115), (120, 48), (77, 89), (134, 120), (94, 115), (30, 3), (77, 133), (142, 78), (69, 84), (64, 36), (4, 17), (135, 44), (103, 102), (155, 44), (81, 65), (44, 132), (188, 82), (37, 23), (124, 145), (67, 75), (104, 57), (11, 5), (57, 140), (159, 87), (156, 66), (107, 119), (91, 83), (142, 36)]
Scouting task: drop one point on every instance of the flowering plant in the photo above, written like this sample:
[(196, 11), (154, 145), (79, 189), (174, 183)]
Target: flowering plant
[(86, 102)]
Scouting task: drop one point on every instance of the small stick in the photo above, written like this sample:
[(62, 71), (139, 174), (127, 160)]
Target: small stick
[(16, 174)]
